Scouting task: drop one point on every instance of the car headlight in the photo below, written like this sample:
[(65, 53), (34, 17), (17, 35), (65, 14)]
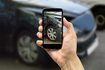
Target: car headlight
[(81, 34)]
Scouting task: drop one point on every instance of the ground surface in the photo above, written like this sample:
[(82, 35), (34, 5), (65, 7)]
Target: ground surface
[(96, 61)]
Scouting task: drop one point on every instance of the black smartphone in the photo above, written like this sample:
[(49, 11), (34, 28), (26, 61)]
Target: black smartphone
[(52, 28)]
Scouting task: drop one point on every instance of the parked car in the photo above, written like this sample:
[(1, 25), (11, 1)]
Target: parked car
[(19, 25), (98, 10)]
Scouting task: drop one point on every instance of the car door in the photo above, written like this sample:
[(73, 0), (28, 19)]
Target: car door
[(5, 18), (2, 22)]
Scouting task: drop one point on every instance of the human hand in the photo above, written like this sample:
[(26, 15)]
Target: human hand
[(69, 46)]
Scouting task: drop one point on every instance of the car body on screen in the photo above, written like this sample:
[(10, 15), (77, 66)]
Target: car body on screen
[(19, 25), (52, 28)]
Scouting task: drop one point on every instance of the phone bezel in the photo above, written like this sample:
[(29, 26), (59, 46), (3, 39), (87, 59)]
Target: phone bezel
[(52, 46)]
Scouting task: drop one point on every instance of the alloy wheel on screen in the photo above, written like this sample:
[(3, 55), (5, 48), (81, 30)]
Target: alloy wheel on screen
[(51, 33)]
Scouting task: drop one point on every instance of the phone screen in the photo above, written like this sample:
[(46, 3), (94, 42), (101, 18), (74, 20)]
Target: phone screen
[(53, 28)]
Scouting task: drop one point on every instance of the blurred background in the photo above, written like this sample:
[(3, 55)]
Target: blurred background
[(18, 28)]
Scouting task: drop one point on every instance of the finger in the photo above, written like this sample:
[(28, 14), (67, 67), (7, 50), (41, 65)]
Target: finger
[(40, 18), (40, 21), (68, 25), (39, 42), (39, 35), (64, 34), (40, 28)]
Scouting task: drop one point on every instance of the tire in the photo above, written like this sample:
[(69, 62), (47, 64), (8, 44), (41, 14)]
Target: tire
[(26, 48), (100, 18), (56, 36)]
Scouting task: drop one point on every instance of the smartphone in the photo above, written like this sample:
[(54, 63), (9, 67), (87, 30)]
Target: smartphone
[(52, 28)]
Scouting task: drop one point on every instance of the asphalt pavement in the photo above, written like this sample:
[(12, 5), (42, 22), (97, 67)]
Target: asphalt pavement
[(96, 61)]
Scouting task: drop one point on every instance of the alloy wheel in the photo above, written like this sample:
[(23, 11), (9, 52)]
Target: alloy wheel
[(27, 49)]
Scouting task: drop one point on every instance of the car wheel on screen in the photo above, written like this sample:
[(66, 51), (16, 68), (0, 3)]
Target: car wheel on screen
[(27, 49), (100, 18), (53, 33)]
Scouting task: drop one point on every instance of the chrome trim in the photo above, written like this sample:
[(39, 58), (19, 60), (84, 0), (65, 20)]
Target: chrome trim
[(93, 46), (32, 9), (26, 11)]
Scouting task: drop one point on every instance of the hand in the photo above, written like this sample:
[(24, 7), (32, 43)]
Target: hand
[(69, 46)]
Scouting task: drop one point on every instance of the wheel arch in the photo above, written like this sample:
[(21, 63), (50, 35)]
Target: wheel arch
[(95, 7), (24, 26), (28, 28)]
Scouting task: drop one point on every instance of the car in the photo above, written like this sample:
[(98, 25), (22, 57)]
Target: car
[(97, 8), (18, 32), (19, 25)]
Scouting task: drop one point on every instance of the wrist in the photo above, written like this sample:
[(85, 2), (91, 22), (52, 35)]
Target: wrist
[(67, 66), (65, 59), (68, 61), (73, 63)]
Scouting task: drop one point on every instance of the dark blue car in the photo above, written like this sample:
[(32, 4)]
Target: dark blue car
[(19, 23)]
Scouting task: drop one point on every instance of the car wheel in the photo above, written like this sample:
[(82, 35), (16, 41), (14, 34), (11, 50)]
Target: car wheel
[(27, 49), (100, 18), (53, 33)]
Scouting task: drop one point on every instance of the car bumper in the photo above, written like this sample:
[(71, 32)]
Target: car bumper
[(88, 49), (88, 41), (93, 46)]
